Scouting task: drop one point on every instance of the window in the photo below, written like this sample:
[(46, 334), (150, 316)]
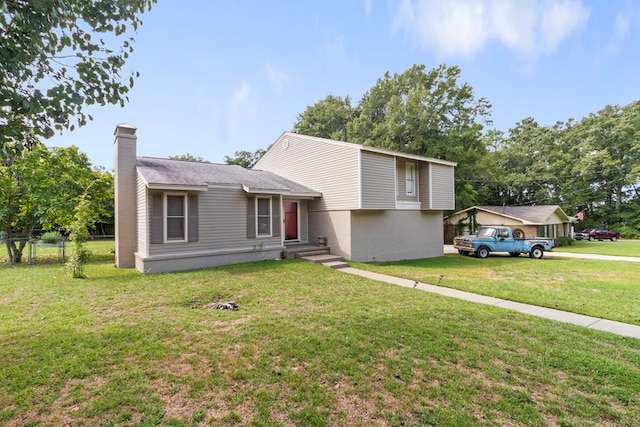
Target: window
[(174, 217), (176, 220), (410, 176), (263, 216)]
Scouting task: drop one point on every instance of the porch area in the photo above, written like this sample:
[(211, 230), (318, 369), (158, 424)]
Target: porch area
[(318, 254)]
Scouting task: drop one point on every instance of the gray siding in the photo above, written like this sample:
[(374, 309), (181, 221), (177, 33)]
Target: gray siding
[(142, 217), (423, 187), (222, 236), (378, 181), (396, 235), (442, 187), (328, 167)]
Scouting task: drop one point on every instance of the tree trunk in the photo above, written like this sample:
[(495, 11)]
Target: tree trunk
[(15, 251)]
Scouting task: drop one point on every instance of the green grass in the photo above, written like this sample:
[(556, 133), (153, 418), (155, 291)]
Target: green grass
[(619, 248), (607, 289), (309, 346)]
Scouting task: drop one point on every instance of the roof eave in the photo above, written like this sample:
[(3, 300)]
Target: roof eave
[(283, 192)]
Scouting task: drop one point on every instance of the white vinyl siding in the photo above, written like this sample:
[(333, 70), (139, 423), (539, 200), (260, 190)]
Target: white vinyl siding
[(378, 181)]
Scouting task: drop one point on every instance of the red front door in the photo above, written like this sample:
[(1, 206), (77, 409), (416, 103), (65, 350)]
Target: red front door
[(291, 221)]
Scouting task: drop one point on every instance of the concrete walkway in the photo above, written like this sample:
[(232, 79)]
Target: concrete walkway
[(618, 328)]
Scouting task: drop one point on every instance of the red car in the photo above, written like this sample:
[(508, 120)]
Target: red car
[(597, 234)]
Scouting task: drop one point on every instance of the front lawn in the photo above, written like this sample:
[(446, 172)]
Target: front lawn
[(607, 289), (309, 346), (606, 247)]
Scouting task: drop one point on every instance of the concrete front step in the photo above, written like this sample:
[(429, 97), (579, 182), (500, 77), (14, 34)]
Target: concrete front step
[(336, 264), (321, 259), (309, 253)]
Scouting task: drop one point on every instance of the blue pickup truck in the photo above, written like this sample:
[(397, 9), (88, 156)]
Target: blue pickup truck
[(501, 239)]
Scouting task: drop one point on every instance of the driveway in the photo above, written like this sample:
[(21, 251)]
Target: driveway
[(448, 249)]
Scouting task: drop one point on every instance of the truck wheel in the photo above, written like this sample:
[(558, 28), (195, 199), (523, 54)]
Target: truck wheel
[(614, 238), (591, 238), (518, 233), (536, 252), (482, 252)]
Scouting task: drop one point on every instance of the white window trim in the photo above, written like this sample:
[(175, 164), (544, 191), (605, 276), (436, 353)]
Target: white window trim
[(410, 179), (258, 235), (165, 217)]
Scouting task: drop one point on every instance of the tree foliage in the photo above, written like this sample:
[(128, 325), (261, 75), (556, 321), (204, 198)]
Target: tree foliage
[(57, 56), (591, 166), (327, 118), (40, 188), (244, 158), (189, 158)]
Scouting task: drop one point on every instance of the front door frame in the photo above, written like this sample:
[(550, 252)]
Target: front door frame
[(284, 234)]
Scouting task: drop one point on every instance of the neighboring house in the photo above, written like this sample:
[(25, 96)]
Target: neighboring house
[(539, 220), (369, 204)]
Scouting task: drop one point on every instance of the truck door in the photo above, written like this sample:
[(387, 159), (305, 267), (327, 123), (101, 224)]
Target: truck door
[(504, 240)]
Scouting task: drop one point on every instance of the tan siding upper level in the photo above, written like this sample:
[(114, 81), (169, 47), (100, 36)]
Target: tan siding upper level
[(330, 168), (442, 187), (378, 181), (424, 185)]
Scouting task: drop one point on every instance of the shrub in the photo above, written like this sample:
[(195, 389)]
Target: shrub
[(51, 237), (563, 241), (629, 233)]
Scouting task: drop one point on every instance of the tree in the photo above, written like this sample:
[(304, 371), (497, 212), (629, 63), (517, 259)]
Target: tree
[(327, 118), (421, 112), (55, 58), (188, 158), (246, 159), (41, 187)]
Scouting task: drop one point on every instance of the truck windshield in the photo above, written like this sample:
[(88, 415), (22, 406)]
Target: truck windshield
[(486, 231)]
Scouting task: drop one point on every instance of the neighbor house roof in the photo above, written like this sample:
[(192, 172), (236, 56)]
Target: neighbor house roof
[(198, 176), (533, 215)]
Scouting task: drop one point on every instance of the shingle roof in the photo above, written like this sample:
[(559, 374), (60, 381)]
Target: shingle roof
[(171, 173), (533, 214)]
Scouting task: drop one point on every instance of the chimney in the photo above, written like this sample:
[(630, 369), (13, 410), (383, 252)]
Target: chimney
[(125, 196)]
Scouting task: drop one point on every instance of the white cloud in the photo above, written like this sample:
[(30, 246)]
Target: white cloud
[(367, 6), (241, 107), (465, 27), (622, 29), (277, 76)]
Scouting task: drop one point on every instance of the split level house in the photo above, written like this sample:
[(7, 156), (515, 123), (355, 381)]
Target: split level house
[(365, 203)]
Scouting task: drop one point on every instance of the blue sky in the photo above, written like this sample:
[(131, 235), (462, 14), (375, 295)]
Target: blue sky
[(221, 76)]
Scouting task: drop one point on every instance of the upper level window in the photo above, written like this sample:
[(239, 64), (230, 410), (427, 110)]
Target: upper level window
[(410, 176), (263, 216)]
